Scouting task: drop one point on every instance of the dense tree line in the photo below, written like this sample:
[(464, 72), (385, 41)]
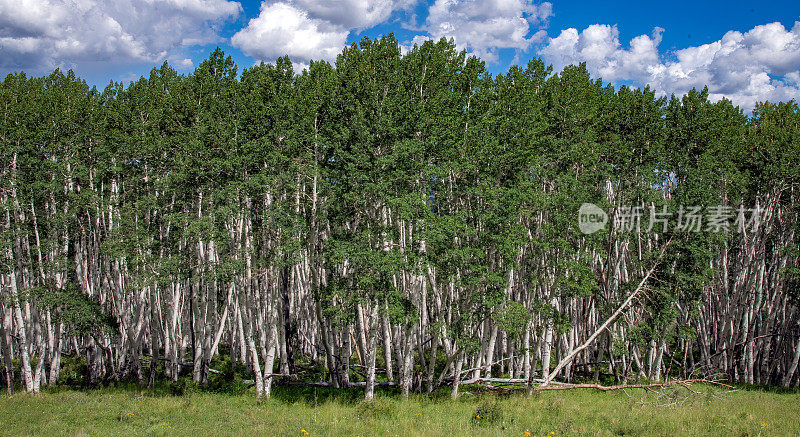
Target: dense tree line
[(399, 218)]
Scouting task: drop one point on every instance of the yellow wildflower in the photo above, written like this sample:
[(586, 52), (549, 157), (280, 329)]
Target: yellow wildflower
[(527, 434), (429, 421), (304, 432)]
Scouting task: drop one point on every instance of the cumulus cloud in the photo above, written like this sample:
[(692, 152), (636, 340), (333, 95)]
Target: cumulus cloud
[(760, 64), (42, 34), (282, 29), (483, 27), (353, 14), (310, 29)]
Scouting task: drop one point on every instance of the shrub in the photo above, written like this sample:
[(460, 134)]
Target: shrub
[(487, 414), (183, 387)]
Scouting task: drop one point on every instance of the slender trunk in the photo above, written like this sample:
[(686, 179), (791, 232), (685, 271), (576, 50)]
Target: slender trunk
[(369, 393)]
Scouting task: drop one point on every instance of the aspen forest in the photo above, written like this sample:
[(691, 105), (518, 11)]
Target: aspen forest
[(400, 218)]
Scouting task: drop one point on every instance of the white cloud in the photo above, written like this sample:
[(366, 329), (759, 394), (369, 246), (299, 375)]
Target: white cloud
[(310, 29), (761, 64), (42, 34), (184, 63), (598, 45), (483, 27), (282, 29), (353, 14)]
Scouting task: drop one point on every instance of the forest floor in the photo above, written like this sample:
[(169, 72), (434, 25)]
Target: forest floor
[(292, 411)]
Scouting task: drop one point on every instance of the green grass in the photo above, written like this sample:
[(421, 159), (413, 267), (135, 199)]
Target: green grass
[(133, 411)]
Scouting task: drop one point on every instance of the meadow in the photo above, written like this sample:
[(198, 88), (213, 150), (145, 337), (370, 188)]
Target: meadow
[(128, 410)]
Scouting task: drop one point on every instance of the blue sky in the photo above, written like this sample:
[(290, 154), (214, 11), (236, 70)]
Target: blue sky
[(745, 51)]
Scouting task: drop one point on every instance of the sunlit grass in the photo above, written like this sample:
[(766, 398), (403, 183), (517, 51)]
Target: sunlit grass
[(131, 411)]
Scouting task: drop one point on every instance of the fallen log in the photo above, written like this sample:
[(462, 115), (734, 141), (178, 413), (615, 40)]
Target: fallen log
[(180, 363), (683, 382), (328, 384), (494, 381)]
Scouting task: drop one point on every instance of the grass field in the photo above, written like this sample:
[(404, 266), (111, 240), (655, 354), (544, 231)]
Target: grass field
[(297, 411)]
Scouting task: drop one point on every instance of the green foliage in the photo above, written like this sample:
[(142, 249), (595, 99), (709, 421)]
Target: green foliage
[(512, 318), (73, 372), (183, 387), (81, 313)]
